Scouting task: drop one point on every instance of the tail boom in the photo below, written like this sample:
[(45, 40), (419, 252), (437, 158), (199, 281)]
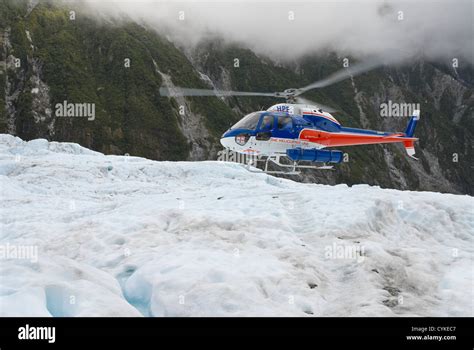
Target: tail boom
[(353, 137), (339, 139)]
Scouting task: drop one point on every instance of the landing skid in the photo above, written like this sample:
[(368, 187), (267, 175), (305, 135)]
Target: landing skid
[(292, 168)]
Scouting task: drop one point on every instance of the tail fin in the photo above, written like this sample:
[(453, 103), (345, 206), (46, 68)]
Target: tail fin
[(412, 123), (410, 145), (410, 148)]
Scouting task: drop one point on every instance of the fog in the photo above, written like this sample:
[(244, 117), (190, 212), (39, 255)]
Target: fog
[(440, 30)]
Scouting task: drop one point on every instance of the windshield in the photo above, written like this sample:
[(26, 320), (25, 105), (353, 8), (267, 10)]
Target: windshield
[(250, 122)]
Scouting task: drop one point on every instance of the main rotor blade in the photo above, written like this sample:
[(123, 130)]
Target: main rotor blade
[(178, 91), (356, 69), (317, 104), (342, 74)]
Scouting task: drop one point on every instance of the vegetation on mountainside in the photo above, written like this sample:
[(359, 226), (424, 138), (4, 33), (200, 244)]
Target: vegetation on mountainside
[(83, 61)]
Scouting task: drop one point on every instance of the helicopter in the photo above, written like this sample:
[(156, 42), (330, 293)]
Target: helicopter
[(294, 135)]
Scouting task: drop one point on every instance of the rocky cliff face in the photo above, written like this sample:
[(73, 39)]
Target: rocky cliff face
[(48, 59)]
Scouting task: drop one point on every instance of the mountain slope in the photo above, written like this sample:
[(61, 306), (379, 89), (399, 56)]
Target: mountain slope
[(83, 61), (127, 236)]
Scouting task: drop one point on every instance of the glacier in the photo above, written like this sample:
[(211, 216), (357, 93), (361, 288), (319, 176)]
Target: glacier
[(127, 236)]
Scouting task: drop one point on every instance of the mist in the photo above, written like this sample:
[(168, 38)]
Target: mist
[(437, 30)]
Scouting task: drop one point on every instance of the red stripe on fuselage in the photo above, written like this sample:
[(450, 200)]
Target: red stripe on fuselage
[(334, 139)]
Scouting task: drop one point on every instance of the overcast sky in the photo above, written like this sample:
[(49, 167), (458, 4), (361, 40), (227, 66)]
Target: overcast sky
[(440, 29)]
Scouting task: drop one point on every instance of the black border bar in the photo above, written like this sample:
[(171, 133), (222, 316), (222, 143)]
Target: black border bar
[(352, 330)]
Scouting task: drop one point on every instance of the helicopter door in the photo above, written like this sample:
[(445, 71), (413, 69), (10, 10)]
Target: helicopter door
[(264, 132)]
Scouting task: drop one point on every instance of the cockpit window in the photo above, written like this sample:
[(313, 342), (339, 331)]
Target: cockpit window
[(284, 123), (267, 123), (249, 122)]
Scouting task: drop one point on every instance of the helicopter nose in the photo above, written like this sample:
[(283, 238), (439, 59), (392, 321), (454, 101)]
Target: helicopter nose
[(228, 142)]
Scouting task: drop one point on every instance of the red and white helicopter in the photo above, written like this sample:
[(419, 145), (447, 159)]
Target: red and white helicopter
[(299, 130)]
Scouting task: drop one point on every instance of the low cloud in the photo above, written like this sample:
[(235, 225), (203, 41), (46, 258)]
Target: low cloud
[(440, 30)]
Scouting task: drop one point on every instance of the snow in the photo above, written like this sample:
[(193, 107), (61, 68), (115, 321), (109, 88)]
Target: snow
[(126, 236)]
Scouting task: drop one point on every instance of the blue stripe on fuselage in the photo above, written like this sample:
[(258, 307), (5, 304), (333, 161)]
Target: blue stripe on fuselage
[(322, 123), (365, 132)]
